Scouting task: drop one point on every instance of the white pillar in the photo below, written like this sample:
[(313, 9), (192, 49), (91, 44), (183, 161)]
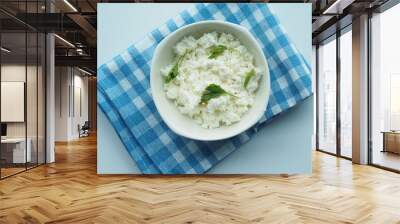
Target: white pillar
[(360, 90), (50, 100)]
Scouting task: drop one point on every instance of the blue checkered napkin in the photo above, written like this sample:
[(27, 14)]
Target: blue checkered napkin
[(124, 90), (142, 160)]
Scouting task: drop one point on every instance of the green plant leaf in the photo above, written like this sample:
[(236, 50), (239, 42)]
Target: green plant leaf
[(174, 70), (248, 76), (213, 91), (216, 51), (172, 74)]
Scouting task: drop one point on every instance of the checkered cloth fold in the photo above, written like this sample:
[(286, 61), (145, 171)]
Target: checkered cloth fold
[(124, 91)]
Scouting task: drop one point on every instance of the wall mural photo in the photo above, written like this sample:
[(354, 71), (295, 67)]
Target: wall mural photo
[(206, 88)]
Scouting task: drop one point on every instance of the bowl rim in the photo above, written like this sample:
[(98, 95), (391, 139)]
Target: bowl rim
[(236, 131)]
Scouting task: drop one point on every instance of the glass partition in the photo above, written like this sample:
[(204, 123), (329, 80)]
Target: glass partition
[(23, 89), (32, 97), (33, 73), (13, 109)]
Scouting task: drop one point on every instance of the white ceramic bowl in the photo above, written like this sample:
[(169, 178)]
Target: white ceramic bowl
[(184, 125)]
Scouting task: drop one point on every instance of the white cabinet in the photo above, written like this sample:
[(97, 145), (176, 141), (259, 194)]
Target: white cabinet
[(18, 149)]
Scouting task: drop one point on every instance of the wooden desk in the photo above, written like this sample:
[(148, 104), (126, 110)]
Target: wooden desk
[(391, 141), (13, 150)]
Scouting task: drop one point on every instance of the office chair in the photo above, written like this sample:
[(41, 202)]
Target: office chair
[(84, 130)]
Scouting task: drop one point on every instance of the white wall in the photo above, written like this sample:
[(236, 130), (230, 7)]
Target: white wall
[(70, 83), (16, 72), (79, 117), (62, 81)]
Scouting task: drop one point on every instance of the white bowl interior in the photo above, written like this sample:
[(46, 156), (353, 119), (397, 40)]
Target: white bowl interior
[(184, 125)]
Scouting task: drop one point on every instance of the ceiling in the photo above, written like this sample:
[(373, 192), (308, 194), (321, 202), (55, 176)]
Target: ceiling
[(75, 21), (16, 42)]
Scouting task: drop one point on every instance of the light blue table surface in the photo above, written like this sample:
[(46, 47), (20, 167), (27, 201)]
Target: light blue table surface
[(284, 146)]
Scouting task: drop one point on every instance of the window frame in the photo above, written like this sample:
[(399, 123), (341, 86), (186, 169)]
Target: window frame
[(336, 36), (381, 9)]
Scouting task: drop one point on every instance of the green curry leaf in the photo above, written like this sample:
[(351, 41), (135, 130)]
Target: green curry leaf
[(174, 70), (213, 91), (248, 76), (216, 51)]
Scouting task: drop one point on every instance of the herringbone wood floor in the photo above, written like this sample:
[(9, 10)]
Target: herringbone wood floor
[(70, 191)]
